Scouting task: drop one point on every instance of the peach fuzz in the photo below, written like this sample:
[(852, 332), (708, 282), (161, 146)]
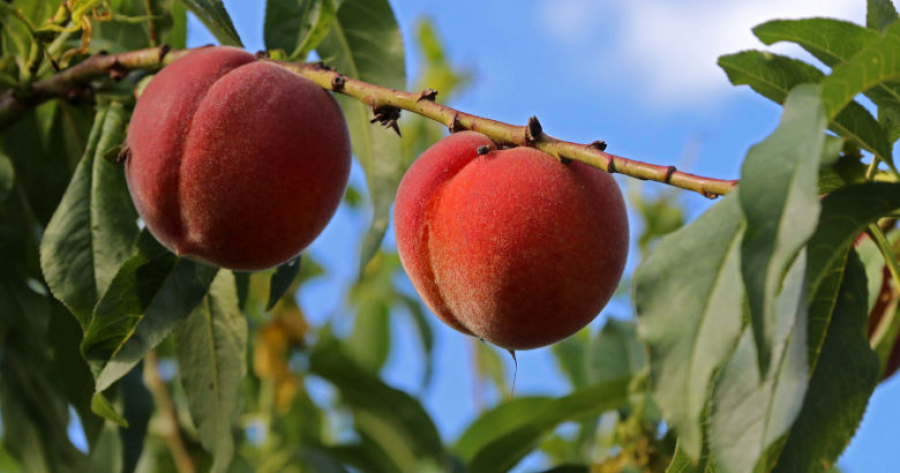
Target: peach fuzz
[(236, 162), (511, 246)]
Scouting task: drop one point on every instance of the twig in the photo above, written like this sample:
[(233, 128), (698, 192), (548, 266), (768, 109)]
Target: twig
[(163, 401), (377, 98)]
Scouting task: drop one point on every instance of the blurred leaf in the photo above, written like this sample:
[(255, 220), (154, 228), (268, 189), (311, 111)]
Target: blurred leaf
[(572, 357), (779, 198), (660, 216), (134, 27), (569, 469), (282, 280), (106, 457), (502, 420), (370, 342), (616, 352), (873, 65), (152, 292), (880, 14), (682, 463), (213, 14), (298, 25), (92, 231), (211, 346), (773, 76), (397, 417), (489, 364), (505, 451), (137, 408), (708, 293), (364, 43), (425, 332), (7, 176), (845, 375), (102, 407), (752, 412)]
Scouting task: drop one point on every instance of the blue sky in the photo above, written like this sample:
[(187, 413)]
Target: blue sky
[(640, 75)]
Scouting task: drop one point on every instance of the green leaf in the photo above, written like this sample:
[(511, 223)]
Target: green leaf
[(616, 352), (213, 14), (682, 463), (872, 66), (751, 411), (92, 231), (502, 420), (505, 451), (773, 76), (880, 14), (282, 279), (403, 425), (686, 349), (845, 376), (572, 356), (106, 457), (102, 407), (211, 345), (137, 408), (7, 176), (425, 333), (140, 24), (298, 25), (152, 292), (364, 42), (779, 198)]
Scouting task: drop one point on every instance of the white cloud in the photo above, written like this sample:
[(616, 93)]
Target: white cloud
[(669, 48), (569, 21)]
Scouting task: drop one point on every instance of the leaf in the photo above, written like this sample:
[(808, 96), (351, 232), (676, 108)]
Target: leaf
[(425, 332), (572, 357), (365, 43), (7, 176), (686, 346), (92, 231), (751, 411), (106, 456), (211, 346), (213, 15), (503, 419), (507, 450), (298, 25), (282, 279), (779, 198), (370, 341), (130, 28), (616, 352), (682, 463), (102, 407), (845, 376), (880, 14), (152, 292), (870, 67), (773, 76), (137, 408), (400, 418)]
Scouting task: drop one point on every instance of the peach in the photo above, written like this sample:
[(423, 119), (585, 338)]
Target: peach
[(236, 162), (511, 246)]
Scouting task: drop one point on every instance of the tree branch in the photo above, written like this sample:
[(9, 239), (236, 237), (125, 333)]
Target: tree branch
[(385, 103)]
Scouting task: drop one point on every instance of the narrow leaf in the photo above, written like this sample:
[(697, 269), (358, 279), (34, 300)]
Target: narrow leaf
[(137, 408), (779, 198), (282, 279), (102, 407), (503, 419), (214, 16), (211, 345), (831, 41), (364, 42), (688, 343), (7, 176)]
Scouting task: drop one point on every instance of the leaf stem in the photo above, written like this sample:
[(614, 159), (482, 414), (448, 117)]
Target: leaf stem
[(77, 77)]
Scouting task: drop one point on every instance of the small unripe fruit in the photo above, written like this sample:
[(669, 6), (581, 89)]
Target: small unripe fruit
[(884, 303), (511, 246), (236, 162)]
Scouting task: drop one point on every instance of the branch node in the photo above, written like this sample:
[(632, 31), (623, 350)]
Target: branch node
[(599, 144), (321, 65), (262, 55), (337, 83), (483, 150), (611, 167), (163, 52), (455, 125), (669, 172), (709, 195), (427, 94), (117, 71), (533, 131), (124, 154), (565, 160), (387, 115)]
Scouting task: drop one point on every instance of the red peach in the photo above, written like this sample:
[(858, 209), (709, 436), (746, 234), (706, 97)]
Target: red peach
[(511, 246), (236, 162)]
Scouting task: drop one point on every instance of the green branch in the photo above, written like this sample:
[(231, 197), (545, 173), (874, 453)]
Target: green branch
[(385, 104)]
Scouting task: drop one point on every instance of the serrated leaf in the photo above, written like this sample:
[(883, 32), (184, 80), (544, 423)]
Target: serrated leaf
[(211, 346), (773, 76), (92, 231), (872, 66), (505, 451), (103, 408), (282, 279), (298, 26), (364, 42), (152, 292), (751, 411), (7, 176), (396, 415), (779, 198), (213, 15), (845, 375), (880, 14), (686, 347)]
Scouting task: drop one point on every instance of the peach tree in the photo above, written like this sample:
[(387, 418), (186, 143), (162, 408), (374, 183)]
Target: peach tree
[(760, 329)]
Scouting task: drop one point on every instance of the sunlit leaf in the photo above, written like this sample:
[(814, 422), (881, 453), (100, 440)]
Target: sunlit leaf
[(298, 26), (214, 16)]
